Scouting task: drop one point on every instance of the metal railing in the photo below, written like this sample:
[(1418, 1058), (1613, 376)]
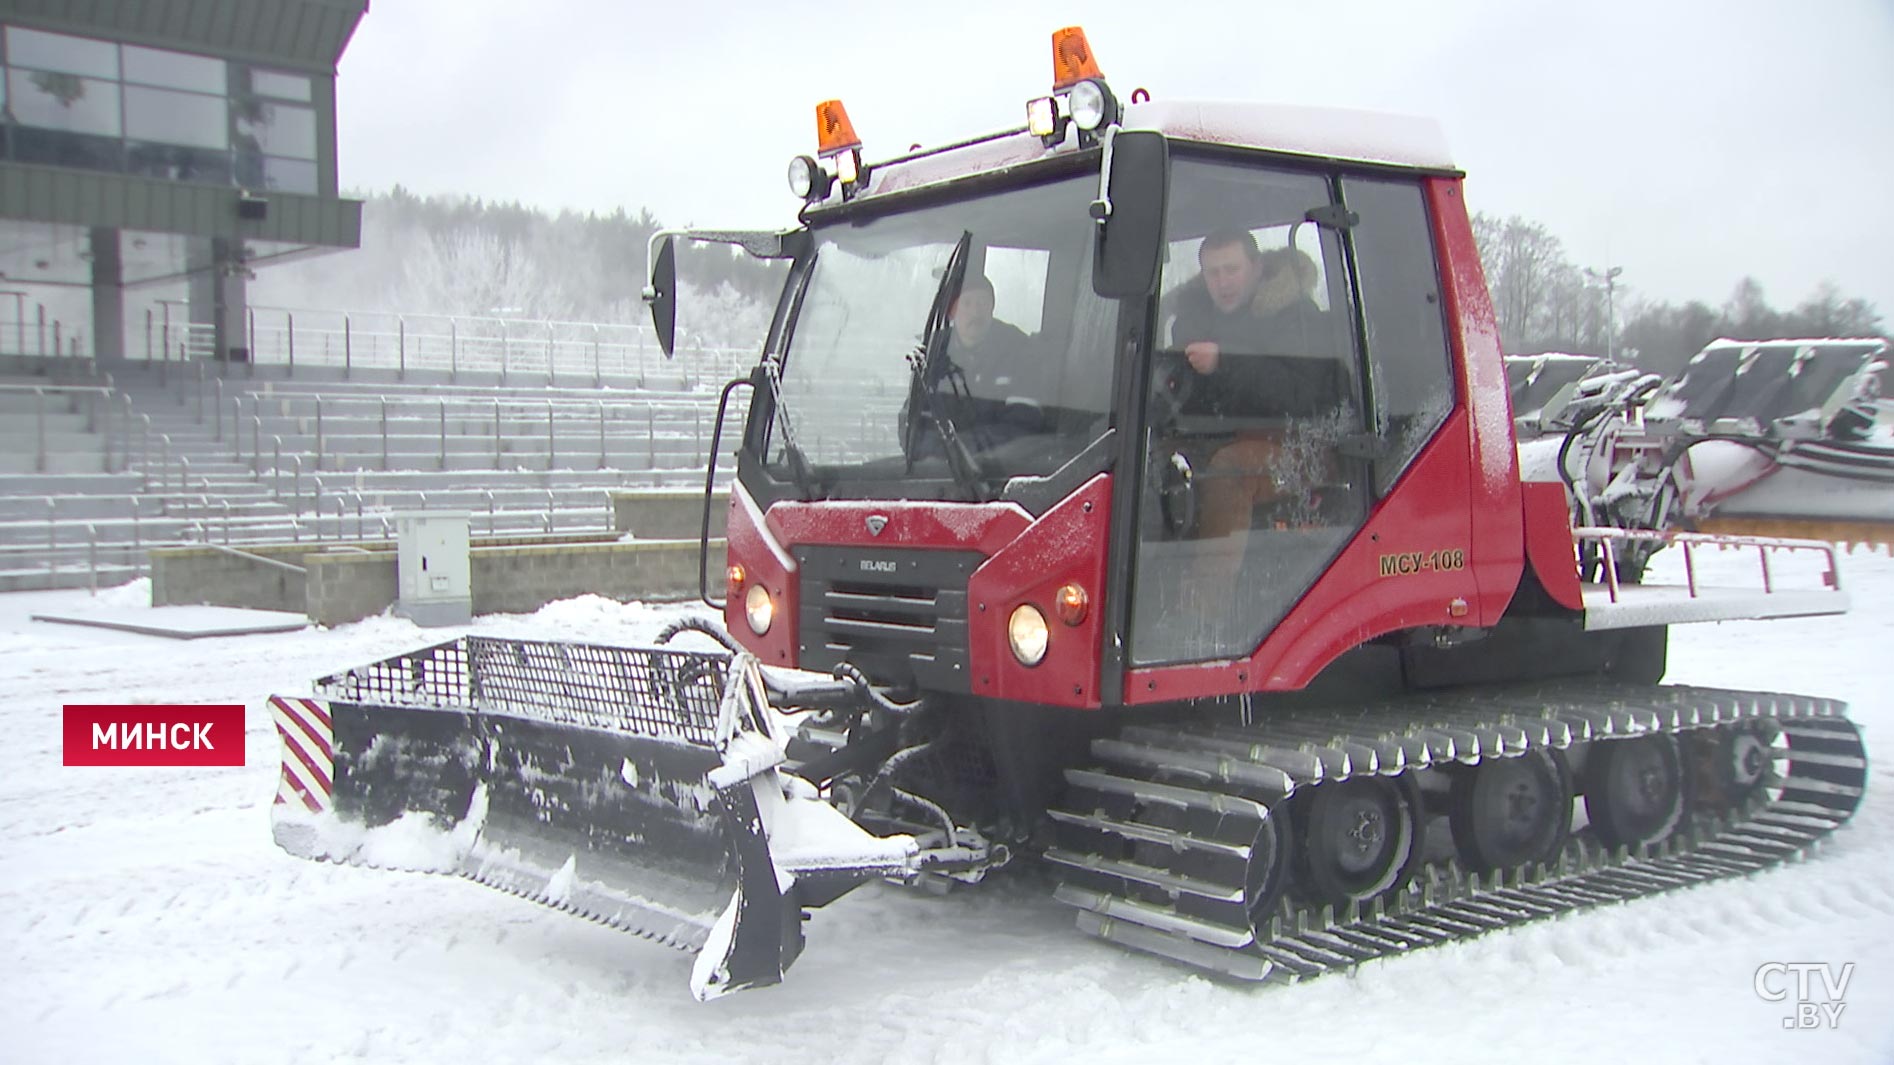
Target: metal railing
[(97, 407), (504, 348), (286, 448), (35, 332), (1608, 537), (417, 432), (120, 546)]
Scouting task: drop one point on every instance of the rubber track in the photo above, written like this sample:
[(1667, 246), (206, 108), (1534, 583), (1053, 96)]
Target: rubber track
[(1192, 800)]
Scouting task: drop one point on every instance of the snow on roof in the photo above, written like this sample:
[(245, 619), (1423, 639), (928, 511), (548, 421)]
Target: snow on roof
[(1368, 136), (1335, 133), (980, 158), (1862, 343)]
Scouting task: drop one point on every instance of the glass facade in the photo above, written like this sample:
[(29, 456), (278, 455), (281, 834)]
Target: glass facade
[(77, 102)]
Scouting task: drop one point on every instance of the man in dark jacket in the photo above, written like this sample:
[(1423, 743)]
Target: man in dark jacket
[(991, 382), (1215, 310), (1249, 328), (1243, 304), (993, 354)]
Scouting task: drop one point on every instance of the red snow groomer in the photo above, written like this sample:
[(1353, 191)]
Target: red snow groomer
[(1133, 493)]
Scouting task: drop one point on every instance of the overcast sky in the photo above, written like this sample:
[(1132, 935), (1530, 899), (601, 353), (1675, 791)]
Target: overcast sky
[(1689, 142)]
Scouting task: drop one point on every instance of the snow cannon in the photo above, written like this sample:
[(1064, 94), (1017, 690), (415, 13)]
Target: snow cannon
[(1768, 438)]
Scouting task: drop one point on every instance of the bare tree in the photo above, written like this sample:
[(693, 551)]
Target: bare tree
[(1827, 313)]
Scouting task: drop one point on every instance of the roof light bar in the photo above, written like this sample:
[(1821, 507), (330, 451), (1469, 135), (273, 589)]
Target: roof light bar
[(1072, 59), (834, 133)]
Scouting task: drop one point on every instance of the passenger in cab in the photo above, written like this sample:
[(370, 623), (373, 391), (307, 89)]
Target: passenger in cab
[(1250, 330)]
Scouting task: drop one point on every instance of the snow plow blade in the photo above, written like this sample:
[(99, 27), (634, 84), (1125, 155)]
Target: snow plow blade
[(636, 786)]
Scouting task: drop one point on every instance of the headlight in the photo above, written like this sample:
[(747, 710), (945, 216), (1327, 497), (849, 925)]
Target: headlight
[(1042, 116), (801, 176), (1089, 104), (758, 609), (807, 179), (1026, 631)]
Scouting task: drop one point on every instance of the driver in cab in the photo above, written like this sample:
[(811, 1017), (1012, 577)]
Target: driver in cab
[(988, 351), (1005, 379)]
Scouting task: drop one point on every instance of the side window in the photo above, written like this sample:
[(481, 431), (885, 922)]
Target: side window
[(1250, 483), (1019, 285), (1410, 373)]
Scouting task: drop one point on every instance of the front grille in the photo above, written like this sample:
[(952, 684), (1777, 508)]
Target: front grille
[(898, 615)]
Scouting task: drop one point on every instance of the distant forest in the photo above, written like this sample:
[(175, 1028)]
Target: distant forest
[(453, 255), (1545, 302), (460, 256)]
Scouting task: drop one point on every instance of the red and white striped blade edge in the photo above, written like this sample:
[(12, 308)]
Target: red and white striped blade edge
[(308, 752)]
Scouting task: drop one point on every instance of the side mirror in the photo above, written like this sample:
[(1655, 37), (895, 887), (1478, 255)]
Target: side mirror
[(1135, 184), (661, 293)]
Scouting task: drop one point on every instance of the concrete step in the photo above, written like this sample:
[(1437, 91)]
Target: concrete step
[(429, 404), (660, 377), (574, 386), (198, 468), (431, 480), (373, 526), (126, 543), (14, 463), (43, 484), (426, 452), (574, 423), (194, 502), (233, 475), (314, 368), (28, 423), (18, 440), (75, 507), (16, 403), (170, 500), (28, 364), (35, 580), (70, 532), (635, 466)]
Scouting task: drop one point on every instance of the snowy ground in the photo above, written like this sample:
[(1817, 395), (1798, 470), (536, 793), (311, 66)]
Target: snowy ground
[(151, 919)]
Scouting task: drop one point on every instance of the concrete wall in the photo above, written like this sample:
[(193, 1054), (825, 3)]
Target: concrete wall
[(515, 580), (667, 514), (349, 586), (193, 575), (513, 577)]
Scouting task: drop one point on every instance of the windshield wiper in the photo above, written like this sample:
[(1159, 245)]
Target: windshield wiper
[(772, 372), (931, 366)]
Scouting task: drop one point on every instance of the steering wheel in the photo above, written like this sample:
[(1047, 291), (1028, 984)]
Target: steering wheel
[(1172, 384), (1176, 493)]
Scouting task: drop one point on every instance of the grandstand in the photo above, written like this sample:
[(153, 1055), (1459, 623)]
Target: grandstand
[(332, 423)]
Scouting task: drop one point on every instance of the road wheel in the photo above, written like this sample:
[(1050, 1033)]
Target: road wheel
[(1729, 765), (1360, 839), (1509, 812), (1634, 791)]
